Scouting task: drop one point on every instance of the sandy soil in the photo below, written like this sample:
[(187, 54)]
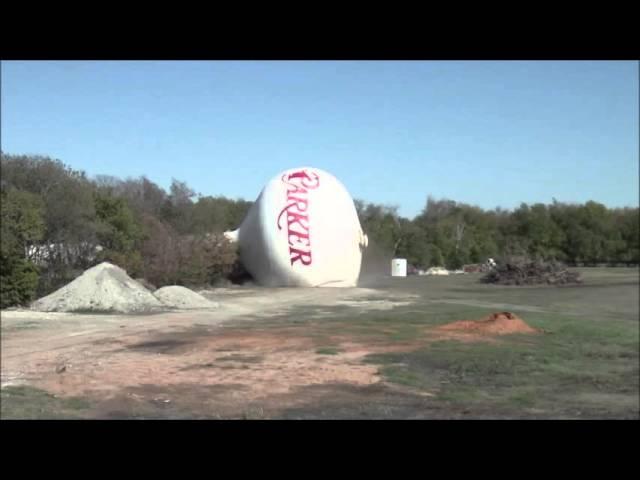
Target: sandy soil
[(82, 355), (104, 287), (221, 360), (176, 296)]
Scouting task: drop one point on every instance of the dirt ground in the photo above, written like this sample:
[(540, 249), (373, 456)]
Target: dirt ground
[(273, 353), (124, 359)]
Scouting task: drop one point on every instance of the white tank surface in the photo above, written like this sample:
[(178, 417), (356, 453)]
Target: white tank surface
[(399, 267), (302, 231)]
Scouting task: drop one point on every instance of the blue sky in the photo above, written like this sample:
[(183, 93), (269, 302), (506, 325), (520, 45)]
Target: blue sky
[(486, 133)]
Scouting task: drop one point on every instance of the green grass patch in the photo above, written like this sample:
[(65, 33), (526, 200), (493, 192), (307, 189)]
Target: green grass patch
[(584, 366), (551, 372), (18, 326), (29, 403), (328, 351)]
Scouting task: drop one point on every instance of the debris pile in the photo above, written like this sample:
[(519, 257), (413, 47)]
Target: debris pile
[(175, 296), (104, 288), (437, 271), (531, 273)]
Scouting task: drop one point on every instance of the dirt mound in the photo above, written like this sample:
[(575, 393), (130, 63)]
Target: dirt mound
[(175, 296), (103, 288), (503, 323)]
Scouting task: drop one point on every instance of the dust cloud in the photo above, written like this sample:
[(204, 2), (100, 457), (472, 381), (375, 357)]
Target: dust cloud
[(376, 266)]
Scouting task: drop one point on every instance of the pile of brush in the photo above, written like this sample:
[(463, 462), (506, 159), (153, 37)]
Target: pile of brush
[(531, 272)]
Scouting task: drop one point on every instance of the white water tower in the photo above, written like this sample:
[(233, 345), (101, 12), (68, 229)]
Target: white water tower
[(399, 267), (302, 231)]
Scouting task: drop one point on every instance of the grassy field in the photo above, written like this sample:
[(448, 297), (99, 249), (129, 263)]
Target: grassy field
[(584, 365)]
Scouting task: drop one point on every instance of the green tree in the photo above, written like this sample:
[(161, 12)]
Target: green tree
[(382, 224), (628, 223), (414, 245), (538, 232), (69, 216), (21, 227), (118, 232), (436, 259)]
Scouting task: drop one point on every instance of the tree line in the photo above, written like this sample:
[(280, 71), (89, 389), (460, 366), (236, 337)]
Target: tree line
[(452, 234), (57, 222)]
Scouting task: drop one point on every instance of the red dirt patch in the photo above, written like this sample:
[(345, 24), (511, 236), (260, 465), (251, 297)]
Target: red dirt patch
[(251, 364), (502, 323)]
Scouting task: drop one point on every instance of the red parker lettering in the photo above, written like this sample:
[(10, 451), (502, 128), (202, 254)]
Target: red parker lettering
[(298, 186)]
